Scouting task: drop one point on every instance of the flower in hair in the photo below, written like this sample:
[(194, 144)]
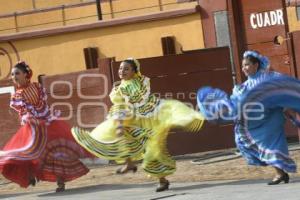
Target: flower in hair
[(264, 61)]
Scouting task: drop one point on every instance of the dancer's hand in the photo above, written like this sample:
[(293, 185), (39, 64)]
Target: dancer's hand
[(120, 128), (26, 118), (120, 131), (289, 112)]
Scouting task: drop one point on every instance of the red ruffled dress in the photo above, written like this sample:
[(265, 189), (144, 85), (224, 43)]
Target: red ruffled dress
[(44, 146)]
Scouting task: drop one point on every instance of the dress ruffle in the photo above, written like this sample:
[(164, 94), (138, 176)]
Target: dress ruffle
[(145, 131), (43, 147), (259, 129), (44, 152)]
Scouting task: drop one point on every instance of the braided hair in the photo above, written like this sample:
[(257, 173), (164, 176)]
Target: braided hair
[(132, 63), (24, 68)]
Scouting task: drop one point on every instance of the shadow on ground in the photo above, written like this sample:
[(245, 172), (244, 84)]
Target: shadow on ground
[(3, 196), (240, 182), (97, 188), (174, 189)]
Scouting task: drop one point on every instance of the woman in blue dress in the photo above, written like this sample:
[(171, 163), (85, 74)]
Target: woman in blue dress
[(258, 108)]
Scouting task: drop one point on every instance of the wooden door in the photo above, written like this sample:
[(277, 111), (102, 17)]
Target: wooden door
[(258, 25)]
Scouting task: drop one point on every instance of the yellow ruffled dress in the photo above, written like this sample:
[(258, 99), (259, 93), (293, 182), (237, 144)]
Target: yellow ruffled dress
[(147, 121)]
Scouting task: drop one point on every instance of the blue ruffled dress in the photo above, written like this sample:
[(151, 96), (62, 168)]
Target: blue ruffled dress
[(257, 109)]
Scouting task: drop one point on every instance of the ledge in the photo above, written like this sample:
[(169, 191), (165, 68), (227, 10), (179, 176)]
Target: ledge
[(100, 24), (40, 10)]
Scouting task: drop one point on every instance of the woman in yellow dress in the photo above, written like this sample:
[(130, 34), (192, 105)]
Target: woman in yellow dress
[(137, 126)]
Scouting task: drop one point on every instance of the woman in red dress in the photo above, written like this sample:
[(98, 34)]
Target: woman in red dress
[(43, 148)]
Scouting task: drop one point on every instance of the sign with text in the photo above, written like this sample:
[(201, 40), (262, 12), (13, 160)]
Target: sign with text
[(266, 19)]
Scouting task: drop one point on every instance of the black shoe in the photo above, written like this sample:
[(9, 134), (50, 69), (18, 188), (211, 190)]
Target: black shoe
[(285, 178), (61, 187), (32, 181), (163, 186), (124, 171)]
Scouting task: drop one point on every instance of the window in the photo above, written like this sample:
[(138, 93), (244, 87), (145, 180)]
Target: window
[(298, 12), (91, 57)]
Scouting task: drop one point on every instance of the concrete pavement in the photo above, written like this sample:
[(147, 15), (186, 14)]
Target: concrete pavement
[(212, 190)]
